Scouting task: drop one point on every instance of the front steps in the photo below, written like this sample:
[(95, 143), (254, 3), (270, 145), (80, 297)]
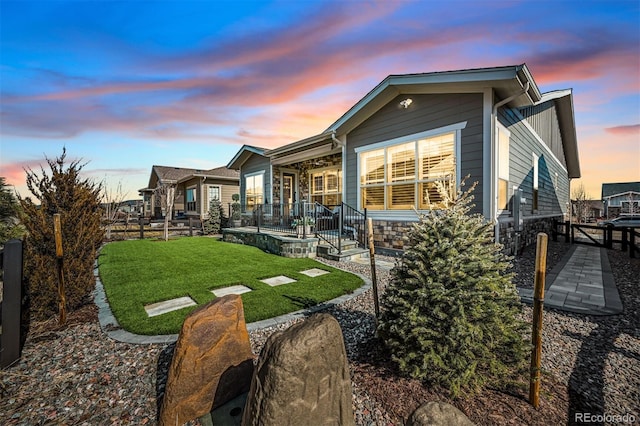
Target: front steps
[(350, 251)]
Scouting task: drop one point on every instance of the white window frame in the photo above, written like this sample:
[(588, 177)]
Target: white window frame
[(535, 187), (324, 193), (251, 175), (193, 188), (209, 188), (408, 214), (504, 165)]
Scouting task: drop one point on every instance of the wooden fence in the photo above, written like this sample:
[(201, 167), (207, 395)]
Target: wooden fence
[(599, 236), (155, 229)]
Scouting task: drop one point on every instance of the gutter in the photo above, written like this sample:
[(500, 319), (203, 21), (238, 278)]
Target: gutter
[(494, 174)]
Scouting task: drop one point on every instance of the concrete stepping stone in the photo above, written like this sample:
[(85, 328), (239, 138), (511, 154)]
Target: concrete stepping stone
[(234, 289), (279, 280), (160, 308), (314, 272)]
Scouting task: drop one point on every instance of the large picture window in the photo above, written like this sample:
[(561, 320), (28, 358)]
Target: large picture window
[(254, 190), (409, 174), (326, 186)]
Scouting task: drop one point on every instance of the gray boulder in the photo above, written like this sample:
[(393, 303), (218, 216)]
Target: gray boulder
[(436, 413), (302, 377)]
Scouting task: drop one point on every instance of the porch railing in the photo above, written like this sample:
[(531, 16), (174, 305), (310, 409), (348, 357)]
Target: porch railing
[(332, 224)]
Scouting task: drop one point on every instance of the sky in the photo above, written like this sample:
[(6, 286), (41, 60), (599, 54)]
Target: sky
[(125, 85)]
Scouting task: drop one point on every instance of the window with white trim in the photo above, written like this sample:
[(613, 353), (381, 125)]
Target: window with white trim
[(408, 174), (254, 190), (213, 192), (534, 203), (191, 199), (326, 186), (503, 136)]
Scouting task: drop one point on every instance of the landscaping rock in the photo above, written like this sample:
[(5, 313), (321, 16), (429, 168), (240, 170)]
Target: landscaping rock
[(212, 362), (436, 413), (302, 376)]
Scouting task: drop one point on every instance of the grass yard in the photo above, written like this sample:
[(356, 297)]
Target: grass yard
[(140, 272)]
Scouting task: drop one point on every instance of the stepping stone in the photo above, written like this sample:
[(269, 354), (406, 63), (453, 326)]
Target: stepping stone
[(314, 272), (279, 280), (160, 308), (234, 289)]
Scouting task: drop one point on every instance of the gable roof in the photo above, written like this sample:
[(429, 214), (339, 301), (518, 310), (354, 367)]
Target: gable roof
[(506, 81), (612, 189), (563, 100), (168, 174), (243, 154)]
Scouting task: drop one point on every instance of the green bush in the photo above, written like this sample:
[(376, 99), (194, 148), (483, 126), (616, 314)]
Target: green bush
[(9, 211), (77, 201), (216, 219), (450, 311)]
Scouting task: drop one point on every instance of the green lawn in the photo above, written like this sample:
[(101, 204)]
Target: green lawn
[(139, 272)]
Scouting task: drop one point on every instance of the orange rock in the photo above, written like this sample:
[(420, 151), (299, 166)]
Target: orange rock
[(212, 362)]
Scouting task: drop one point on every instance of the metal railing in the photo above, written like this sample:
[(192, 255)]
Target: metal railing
[(332, 224)]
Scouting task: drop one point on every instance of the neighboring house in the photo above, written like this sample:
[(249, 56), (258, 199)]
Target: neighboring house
[(194, 189), (390, 151), (621, 198)]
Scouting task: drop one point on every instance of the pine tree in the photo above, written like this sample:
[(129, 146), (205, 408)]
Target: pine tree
[(450, 311), (77, 200), (9, 208), (216, 219)]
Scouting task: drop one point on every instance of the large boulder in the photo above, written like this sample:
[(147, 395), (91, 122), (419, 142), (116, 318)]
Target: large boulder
[(436, 413), (212, 362), (302, 377)]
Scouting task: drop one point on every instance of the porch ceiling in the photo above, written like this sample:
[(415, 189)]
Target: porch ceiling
[(319, 149)]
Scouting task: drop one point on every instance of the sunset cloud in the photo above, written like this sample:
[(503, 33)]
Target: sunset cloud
[(191, 75)]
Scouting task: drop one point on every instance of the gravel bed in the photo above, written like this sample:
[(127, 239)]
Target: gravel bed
[(77, 375)]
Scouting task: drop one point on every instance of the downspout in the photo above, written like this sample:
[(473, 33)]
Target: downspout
[(335, 140), (494, 174)]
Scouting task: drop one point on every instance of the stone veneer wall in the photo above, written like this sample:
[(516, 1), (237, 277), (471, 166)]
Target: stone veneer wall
[(532, 226), (389, 235), (276, 244)]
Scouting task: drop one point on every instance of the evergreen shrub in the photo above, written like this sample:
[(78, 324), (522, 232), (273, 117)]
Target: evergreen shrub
[(450, 312), (77, 200)]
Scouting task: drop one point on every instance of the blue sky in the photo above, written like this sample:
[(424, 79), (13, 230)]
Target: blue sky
[(126, 85)]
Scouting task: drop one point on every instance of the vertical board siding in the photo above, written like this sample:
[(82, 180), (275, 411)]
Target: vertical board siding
[(425, 113), (544, 120), (523, 144)]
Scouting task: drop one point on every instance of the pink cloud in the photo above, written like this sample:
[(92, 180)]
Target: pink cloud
[(632, 129)]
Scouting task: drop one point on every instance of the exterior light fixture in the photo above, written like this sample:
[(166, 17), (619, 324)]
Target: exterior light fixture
[(405, 104)]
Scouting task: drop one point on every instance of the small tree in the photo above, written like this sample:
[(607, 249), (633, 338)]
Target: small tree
[(214, 222), (10, 226), (581, 203), (77, 200), (112, 202), (166, 193), (450, 310)]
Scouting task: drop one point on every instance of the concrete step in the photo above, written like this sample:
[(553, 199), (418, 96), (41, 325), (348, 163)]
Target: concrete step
[(345, 256)]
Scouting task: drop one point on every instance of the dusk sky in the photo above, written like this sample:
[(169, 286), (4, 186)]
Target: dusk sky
[(126, 85)]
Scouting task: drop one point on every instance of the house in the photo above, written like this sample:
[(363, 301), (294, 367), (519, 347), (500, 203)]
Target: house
[(388, 154), (621, 198), (587, 211), (194, 189)]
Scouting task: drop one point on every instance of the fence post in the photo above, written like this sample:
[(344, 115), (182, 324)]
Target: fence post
[(190, 226), (573, 237), (632, 243), (554, 231), (372, 260), (608, 237), (11, 303), (141, 223), (538, 304)]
